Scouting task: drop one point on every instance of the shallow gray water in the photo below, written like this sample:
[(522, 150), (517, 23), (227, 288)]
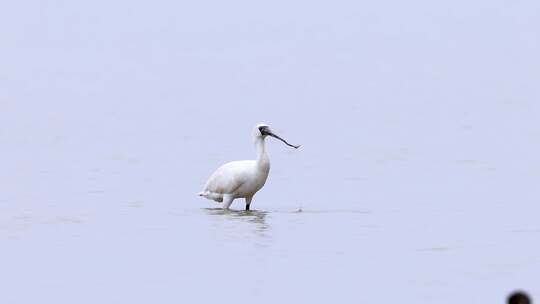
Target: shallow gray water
[(417, 180)]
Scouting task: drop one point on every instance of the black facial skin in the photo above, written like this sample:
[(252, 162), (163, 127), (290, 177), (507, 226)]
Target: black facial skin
[(266, 131), (263, 130)]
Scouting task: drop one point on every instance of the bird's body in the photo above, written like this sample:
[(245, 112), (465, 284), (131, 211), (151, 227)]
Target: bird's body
[(241, 179)]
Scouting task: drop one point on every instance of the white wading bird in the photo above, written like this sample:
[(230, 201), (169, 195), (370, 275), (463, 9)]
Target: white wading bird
[(242, 179)]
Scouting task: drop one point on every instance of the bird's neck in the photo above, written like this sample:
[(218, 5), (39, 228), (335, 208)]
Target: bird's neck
[(262, 156)]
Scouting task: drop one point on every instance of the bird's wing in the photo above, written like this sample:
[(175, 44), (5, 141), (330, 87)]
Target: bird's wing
[(228, 178)]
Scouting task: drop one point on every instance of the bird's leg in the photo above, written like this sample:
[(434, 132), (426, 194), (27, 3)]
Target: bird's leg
[(227, 201), (248, 202)]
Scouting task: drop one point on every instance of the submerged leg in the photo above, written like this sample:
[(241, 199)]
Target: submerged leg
[(227, 201), (248, 202)]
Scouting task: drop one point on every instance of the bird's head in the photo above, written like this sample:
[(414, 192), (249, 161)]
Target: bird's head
[(263, 130)]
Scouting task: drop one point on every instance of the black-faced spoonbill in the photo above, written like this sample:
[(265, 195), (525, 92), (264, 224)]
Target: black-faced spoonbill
[(242, 179)]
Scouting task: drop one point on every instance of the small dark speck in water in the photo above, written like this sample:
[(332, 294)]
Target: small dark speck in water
[(518, 297)]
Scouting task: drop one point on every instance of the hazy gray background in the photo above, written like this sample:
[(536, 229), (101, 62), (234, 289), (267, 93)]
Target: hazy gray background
[(418, 175)]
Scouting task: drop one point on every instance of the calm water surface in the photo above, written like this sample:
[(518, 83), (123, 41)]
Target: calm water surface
[(417, 180)]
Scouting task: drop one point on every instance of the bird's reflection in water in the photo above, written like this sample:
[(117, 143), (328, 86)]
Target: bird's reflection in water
[(256, 218)]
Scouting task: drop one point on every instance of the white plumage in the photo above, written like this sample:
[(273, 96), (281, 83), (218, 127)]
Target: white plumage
[(242, 179)]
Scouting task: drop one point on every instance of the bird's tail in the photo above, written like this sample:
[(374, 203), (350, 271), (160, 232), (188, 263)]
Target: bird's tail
[(212, 196)]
